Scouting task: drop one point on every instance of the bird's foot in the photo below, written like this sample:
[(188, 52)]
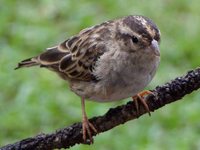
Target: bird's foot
[(88, 128), (140, 97)]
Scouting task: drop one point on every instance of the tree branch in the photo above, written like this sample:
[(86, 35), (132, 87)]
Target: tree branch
[(69, 136)]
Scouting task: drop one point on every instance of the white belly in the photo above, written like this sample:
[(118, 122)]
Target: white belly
[(120, 77), (125, 86)]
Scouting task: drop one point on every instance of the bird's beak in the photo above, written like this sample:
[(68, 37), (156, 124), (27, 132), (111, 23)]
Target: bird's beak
[(155, 47)]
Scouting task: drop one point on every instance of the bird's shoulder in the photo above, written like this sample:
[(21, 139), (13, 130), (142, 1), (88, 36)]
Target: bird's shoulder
[(83, 50)]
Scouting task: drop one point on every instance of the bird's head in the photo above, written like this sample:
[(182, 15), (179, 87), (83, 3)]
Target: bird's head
[(138, 34)]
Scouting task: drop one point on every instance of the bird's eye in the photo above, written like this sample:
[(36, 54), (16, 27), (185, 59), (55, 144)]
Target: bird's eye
[(134, 39)]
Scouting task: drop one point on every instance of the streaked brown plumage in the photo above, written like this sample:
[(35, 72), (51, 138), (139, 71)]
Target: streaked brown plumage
[(107, 62), (75, 57)]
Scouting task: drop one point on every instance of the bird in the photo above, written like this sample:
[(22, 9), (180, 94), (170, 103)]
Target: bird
[(107, 62)]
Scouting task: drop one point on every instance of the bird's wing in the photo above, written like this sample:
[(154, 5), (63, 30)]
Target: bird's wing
[(85, 49), (77, 56)]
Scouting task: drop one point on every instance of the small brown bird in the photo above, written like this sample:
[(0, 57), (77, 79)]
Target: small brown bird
[(108, 62)]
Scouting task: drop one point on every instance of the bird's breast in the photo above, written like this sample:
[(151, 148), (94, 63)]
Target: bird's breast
[(124, 75), (121, 76)]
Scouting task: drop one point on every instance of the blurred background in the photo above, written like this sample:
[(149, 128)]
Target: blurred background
[(35, 100)]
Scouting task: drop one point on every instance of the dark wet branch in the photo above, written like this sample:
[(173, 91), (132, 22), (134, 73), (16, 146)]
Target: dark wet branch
[(69, 136)]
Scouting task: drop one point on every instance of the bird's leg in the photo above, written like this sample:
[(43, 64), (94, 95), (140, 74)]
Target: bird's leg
[(86, 125), (140, 97)]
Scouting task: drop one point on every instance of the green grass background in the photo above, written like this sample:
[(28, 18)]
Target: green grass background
[(35, 100)]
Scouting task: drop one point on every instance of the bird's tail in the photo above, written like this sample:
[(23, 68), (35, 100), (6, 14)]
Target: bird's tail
[(28, 63), (49, 59)]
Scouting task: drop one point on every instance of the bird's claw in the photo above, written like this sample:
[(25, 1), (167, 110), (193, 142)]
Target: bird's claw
[(140, 97), (87, 128)]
